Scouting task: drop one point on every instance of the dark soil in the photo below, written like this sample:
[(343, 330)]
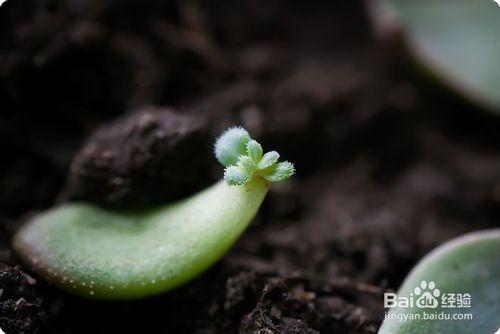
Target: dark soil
[(387, 169), (149, 157)]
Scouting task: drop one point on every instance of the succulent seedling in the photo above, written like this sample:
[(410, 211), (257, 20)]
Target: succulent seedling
[(455, 43), (112, 254), (467, 268)]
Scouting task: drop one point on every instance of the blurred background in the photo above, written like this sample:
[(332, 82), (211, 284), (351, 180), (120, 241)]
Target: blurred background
[(387, 166)]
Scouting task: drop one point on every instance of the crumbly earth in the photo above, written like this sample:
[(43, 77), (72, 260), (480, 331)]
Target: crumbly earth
[(145, 158), (387, 168)]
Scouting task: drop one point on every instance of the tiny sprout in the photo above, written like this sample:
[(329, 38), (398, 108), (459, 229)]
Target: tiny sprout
[(243, 159), (113, 254)]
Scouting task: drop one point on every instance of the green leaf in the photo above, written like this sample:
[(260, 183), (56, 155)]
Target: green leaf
[(454, 41), (110, 254), (269, 159), (254, 150), (236, 175), (113, 254), (231, 145), (280, 172), (247, 163), (467, 265)]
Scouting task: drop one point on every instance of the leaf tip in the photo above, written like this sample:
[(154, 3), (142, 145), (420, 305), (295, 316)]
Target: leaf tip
[(230, 145)]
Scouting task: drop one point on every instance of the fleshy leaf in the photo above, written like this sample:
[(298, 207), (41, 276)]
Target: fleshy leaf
[(269, 159), (231, 145), (468, 65), (467, 266), (113, 254), (236, 176), (281, 171), (247, 163), (254, 150)]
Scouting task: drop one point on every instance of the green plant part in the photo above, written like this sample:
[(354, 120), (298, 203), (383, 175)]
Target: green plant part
[(455, 43), (108, 254), (467, 266), (244, 159)]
